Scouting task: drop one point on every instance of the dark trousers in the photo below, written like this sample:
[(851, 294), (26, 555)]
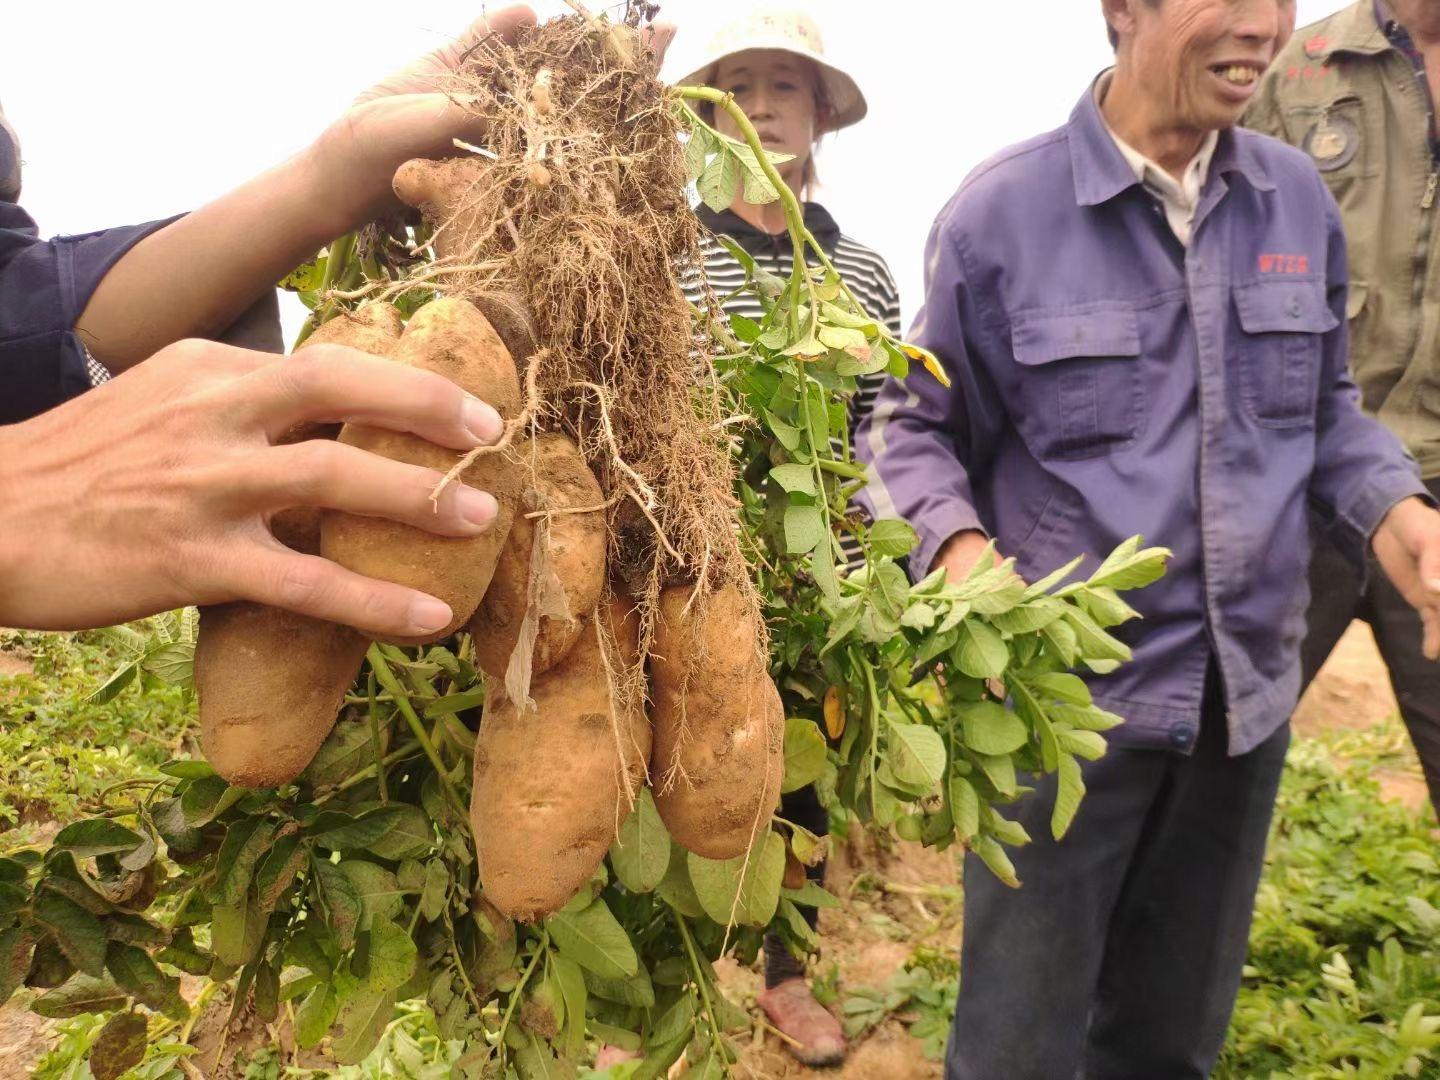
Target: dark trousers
[(1120, 955), (804, 809), (1336, 599)]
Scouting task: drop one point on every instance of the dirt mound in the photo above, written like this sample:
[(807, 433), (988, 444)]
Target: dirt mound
[(1352, 692)]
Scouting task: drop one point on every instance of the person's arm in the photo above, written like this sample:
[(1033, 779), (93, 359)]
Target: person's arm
[(1365, 486), (194, 277), (922, 439)]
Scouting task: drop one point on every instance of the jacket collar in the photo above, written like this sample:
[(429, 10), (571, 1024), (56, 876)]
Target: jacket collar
[(1355, 30), (1102, 173), (728, 223)]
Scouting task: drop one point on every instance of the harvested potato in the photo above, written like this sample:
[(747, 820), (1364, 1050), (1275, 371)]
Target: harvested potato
[(719, 726), (271, 682), (452, 338), (553, 780), (574, 566), (441, 190)]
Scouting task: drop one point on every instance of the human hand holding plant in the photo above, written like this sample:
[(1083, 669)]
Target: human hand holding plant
[(1408, 547), (158, 487), (174, 284), (961, 552)]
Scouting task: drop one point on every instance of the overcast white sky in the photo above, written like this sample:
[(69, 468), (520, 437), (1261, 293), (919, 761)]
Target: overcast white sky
[(131, 111)]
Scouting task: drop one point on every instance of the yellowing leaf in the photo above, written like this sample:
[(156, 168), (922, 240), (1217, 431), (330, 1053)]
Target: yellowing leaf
[(926, 357), (834, 713)]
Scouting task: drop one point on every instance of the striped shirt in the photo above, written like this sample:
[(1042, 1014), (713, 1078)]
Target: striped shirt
[(864, 272)]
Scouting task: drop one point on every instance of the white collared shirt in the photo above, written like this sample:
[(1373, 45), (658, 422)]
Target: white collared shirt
[(1180, 198)]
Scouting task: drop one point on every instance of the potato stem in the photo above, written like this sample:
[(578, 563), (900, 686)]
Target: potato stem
[(383, 672)]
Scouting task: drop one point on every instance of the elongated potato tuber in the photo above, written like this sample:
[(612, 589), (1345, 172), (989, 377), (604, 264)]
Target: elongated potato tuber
[(271, 682), (374, 328), (452, 338), (573, 568), (553, 781), (719, 725)]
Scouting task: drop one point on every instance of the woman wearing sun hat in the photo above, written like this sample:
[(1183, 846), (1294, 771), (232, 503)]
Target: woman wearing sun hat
[(773, 62)]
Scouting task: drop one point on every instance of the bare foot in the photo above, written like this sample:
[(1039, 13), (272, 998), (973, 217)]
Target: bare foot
[(792, 1008)]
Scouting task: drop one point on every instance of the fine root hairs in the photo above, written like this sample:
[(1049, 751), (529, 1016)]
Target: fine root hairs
[(597, 250)]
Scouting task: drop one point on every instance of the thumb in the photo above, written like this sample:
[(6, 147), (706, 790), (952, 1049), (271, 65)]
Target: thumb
[(1429, 562), (431, 72)]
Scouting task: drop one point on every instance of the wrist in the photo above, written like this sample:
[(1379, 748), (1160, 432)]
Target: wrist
[(15, 464), (316, 182), (348, 172), (1398, 518)]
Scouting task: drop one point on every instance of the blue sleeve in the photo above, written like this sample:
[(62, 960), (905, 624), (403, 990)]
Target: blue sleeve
[(44, 286), (1361, 469), (921, 439)]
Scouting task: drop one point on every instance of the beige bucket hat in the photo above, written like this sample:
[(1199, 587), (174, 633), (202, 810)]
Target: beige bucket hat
[(793, 32)]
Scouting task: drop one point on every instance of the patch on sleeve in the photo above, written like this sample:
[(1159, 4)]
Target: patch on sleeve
[(1332, 142)]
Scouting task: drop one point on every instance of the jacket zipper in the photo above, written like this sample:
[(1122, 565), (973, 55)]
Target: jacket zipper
[(1422, 249)]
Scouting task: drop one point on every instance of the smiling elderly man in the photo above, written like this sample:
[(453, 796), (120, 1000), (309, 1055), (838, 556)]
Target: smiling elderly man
[(1143, 315)]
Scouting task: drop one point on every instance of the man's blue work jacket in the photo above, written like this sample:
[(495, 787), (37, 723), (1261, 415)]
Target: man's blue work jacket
[(1109, 381)]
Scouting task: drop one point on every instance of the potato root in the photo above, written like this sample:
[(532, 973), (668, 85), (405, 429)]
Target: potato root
[(271, 682), (452, 338), (719, 726), (554, 780), (575, 566)]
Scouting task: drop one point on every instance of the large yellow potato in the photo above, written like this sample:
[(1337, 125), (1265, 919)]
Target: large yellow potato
[(452, 338), (554, 781), (719, 726)]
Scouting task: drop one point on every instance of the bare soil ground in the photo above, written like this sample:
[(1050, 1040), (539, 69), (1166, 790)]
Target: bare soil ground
[(893, 900), (1352, 692), (14, 664), (24, 1037)]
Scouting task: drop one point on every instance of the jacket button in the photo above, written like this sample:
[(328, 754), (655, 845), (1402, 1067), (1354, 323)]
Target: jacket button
[(1181, 737), (1295, 307)]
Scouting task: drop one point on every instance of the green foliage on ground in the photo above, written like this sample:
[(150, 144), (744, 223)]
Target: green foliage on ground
[(1344, 972), (59, 749), (1343, 979)]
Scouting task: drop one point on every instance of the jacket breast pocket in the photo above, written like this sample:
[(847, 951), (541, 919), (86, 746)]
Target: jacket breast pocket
[(1283, 323), (1337, 139), (1080, 384)]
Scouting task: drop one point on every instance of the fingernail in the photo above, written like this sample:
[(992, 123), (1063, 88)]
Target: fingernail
[(476, 506), (428, 615), (482, 421)]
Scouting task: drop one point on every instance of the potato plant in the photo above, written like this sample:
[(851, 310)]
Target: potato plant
[(324, 896)]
